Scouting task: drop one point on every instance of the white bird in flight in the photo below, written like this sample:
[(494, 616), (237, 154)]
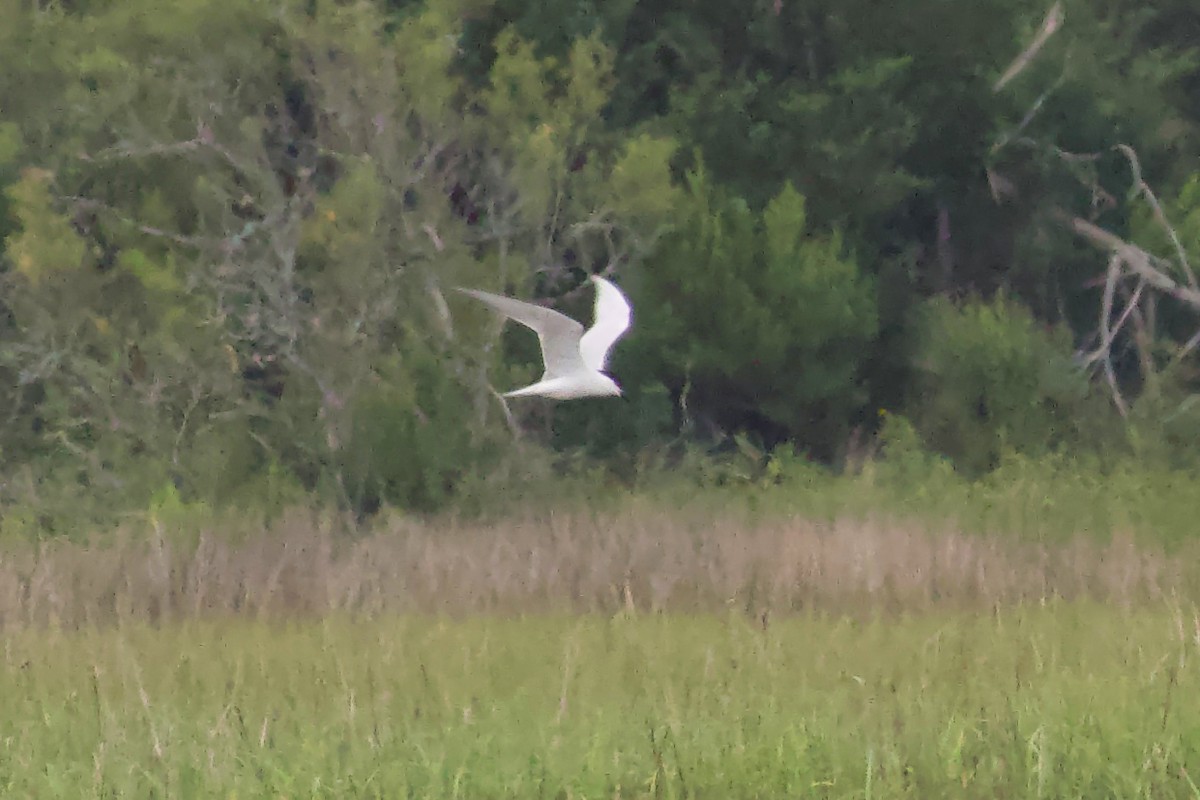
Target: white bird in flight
[(574, 360)]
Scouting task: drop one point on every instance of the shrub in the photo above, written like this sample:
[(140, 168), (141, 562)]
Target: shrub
[(990, 377)]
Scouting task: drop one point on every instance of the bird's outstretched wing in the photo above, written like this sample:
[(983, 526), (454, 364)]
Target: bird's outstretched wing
[(559, 334), (613, 317)]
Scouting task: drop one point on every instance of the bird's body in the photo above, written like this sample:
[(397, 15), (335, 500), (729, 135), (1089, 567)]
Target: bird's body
[(571, 387), (574, 360)]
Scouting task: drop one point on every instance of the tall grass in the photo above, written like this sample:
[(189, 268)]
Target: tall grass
[(637, 557), (1062, 700), (779, 633)]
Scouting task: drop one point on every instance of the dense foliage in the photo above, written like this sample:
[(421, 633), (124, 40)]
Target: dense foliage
[(231, 234)]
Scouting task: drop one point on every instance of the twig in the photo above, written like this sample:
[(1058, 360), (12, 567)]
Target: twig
[(1106, 333), (1144, 189), (197, 396), (1141, 337), (199, 242), (508, 417), (1188, 347), (128, 150), (1050, 25)]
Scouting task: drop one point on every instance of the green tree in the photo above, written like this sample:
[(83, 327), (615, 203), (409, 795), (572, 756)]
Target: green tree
[(758, 323), (239, 256)]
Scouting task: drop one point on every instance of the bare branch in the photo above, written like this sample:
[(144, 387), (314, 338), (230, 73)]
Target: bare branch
[(513, 428), (193, 403), (1050, 25), (198, 242), (1188, 347), (1124, 256), (1108, 332), (128, 150), (1142, 338), (1147, 266), (1144, 189)]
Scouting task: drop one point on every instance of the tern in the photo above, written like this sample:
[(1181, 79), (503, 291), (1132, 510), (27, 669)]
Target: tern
[(574, 360)]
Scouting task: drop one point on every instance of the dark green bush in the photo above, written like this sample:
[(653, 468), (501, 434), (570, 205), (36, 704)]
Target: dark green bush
[(990, 377), (759, 324)]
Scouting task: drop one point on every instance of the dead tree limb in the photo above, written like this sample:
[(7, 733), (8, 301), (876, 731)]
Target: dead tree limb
[(1128, 260), (1052, 22), (1135, 278), (1107, 332), (1147, 266), (1159, 215)]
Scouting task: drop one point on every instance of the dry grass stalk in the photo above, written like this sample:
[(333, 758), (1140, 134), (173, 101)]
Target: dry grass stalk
[(646, 560)]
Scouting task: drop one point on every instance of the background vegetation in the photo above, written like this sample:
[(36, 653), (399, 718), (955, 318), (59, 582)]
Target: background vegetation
[(901, 499), (231, 232)]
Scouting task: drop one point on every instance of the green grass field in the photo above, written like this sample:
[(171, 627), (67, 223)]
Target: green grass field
[(1035, 636), (1057, 700)]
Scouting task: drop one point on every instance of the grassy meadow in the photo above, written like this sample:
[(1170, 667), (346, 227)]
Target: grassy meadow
[(1065, 700), (806, 639)]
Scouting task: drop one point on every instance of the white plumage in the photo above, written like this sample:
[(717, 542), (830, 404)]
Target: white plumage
[(574, 360)]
